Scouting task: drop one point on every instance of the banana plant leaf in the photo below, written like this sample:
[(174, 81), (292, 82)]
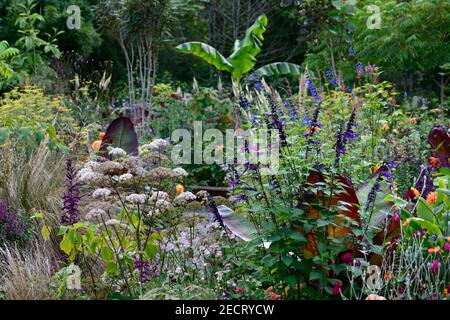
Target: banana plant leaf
[(237, 224), (120, 134), (279, 69), (243, 59), (207, 53)]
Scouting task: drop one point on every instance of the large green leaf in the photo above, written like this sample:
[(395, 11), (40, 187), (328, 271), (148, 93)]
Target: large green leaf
[(121, 134), (375, 217), (278, 69), (243, 58), (207, 53), (237, 224)]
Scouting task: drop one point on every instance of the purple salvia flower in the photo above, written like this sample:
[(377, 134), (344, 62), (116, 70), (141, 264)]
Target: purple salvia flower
[(71, 214)]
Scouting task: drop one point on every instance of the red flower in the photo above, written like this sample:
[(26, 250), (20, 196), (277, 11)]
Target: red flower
[(435, 267), (347, 258), (336, 289), (273, 296), (239, 290)]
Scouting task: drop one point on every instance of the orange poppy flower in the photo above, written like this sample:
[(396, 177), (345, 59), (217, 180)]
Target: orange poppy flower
[(385, 127), (96, 145), (433, 161), (431, 197), (101, 135), (413, 120)]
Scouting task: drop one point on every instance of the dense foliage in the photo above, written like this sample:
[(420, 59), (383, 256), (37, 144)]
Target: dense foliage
[(344, 103)]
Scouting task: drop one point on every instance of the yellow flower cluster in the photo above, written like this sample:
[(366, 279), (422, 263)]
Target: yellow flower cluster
[(29, 106)]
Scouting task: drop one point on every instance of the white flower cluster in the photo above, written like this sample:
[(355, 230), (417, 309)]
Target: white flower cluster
[(101, 192), (156, 144), (203, 244), (158, 196), (184, 197), (137, 198), (180, 172), (125, 177), (117, 152), (86, 175), (94, 213)]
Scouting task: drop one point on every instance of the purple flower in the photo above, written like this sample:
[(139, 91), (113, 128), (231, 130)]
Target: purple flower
[(417, 234), (241, 198), (146, 272), (370, 68), (244, 102), (447, 246), (359, 69), (311, 88), (351, 52), (71, 214), (343, 137), (435, 267), (330, 76)]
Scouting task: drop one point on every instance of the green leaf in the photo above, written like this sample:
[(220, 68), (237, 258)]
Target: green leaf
[(279, 69), (287, 260), (298, 237), (434, 229), (45, 232), (107, 254), (424, 211), (243, 58), (207, 53), (151, 250), (66, 244), (237, 224)]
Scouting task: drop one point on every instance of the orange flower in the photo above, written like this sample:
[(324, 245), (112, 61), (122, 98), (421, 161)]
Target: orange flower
[(96, 145), (387, 276), (407, 221), (431, 197), (395, 131), (375, 169), (101, 135), (416, 192), (413, 120), (312, 130), (446, 293), (434, 250), (385, 127), (433, 161), (180, 189)]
